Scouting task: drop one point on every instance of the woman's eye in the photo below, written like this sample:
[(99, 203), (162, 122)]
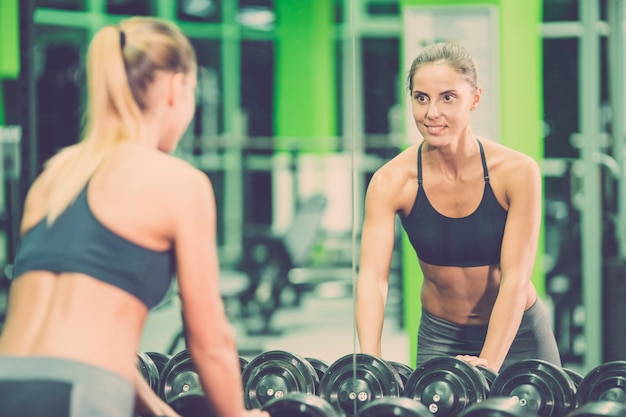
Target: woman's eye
[(421, 98), (448, 98)]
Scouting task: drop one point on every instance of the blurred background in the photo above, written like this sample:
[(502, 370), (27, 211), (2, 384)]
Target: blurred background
[(300, 101)]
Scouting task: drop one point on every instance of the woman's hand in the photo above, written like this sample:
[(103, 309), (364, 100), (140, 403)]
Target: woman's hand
[(474, 360)]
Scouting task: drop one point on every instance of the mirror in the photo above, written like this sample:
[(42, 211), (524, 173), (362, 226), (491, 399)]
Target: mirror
[(268, 176), (274, 130)]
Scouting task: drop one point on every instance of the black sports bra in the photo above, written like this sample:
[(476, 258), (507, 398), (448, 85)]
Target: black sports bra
[(78, 242), (474, 240)]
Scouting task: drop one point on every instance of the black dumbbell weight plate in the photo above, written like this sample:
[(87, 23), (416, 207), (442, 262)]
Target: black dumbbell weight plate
[(542, 387), (159, 359), (404, 371), (605, 382), (498, 407), (243, 362), (320, 367), (576, 377), (274, 374), (148, 369), (357, 379), (397, 407), (446, 385), (600, 409), (299, 404), (179, 378), (490, 375), (192, 405)]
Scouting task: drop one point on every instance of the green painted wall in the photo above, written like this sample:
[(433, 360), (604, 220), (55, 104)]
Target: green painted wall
[(9, 45), (305, 75), (9, 39), (521, 110)]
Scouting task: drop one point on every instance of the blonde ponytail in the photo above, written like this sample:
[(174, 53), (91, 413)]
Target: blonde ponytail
[(118, 77)]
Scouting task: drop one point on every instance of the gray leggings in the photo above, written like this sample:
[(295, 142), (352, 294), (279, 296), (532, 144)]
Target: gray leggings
[(534, 340), (44, 386)]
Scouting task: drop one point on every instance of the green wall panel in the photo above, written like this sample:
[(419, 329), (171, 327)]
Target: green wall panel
[(9, 46), (305, 75), (9, 39)]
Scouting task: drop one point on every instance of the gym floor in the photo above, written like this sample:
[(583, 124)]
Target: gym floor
[(322, 326)]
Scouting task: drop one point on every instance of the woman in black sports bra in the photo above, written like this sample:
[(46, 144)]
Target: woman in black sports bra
[(471, 208), (105, 227)]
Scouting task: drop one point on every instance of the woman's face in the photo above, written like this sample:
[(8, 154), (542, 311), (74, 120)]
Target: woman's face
[(442, 101)]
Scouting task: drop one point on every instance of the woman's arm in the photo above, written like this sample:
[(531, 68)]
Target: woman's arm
[(519, 247), (147, 402), (377, 240), (210, 336)]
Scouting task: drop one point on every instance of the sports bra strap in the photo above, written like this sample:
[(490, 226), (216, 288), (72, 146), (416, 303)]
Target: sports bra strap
[(482, 157), (419, 165)]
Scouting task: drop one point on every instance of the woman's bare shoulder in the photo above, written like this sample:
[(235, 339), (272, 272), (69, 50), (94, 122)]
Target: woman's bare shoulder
[(512, 172), (176, 175), (180, 190), (506, 158), (394, 184), (398, 169), (40, 189)]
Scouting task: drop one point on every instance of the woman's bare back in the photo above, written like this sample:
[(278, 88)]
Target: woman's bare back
[(73, 315)]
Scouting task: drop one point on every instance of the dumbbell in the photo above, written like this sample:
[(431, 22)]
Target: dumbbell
[(490, 375), (576, 376), (320, 367), (274, 374), (149, 370), (243, 362), (498, 407), (600, 409), (354, 380), (299, 404), (606, 382), (446, 385), (537, 385), (180, 387), (404, 371), (396, 406), (159, 359)]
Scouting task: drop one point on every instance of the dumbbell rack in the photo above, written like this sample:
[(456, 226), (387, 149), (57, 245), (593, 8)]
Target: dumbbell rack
[(286, 384)]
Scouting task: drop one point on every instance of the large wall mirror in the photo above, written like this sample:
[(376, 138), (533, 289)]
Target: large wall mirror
[(275, 126), (281, 130)]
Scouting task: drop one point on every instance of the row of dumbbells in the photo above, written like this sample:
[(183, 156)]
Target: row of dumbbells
[(286, 384)]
